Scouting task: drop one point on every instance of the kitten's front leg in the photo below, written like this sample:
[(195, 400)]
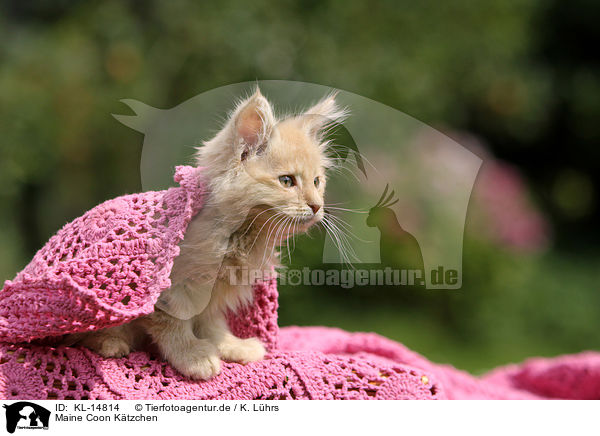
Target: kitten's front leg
[(191, 356), (229, 347)]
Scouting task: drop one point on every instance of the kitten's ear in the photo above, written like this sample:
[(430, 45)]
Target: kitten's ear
[(254, 123), (324, 115)]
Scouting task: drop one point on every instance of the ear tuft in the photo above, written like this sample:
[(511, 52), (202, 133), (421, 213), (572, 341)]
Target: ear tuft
[(254, 123), (324, 115)]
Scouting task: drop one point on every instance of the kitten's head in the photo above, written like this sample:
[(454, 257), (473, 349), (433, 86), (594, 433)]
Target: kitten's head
[(257, 162)]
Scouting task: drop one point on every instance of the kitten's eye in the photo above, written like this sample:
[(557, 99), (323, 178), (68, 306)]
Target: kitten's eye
[(317, 182), (287, 181)]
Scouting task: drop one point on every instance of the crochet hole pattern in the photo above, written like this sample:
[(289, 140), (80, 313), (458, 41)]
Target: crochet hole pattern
[(105, 268), (27, 375)]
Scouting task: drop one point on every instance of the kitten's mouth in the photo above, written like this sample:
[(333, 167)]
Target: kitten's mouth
[(305, 222)]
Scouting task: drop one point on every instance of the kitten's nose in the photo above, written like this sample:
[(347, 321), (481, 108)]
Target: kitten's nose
[(315, 207)]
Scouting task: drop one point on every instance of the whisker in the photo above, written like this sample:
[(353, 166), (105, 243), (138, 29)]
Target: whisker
[(269, 221), (346, 227), (278, 226), (287, 239), (346, 210), (250, 225), (332, 232), (344, 241)]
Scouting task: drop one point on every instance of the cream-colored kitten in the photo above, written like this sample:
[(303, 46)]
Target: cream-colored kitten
[(266, 181)]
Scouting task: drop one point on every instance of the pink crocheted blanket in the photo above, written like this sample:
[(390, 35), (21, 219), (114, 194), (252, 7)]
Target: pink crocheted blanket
[(109, 267)]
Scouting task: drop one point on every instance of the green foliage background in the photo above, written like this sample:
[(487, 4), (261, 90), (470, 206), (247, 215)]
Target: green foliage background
[(522, 74)]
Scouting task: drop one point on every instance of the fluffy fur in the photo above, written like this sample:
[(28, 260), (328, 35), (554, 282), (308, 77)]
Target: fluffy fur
[(250, 212)]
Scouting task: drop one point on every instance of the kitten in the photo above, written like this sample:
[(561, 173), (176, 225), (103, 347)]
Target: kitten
[(266, 181)]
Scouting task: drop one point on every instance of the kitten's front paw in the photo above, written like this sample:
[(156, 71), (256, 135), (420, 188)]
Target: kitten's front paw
[(199, 365), (241, 350), (203, 368), (113, 346)]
